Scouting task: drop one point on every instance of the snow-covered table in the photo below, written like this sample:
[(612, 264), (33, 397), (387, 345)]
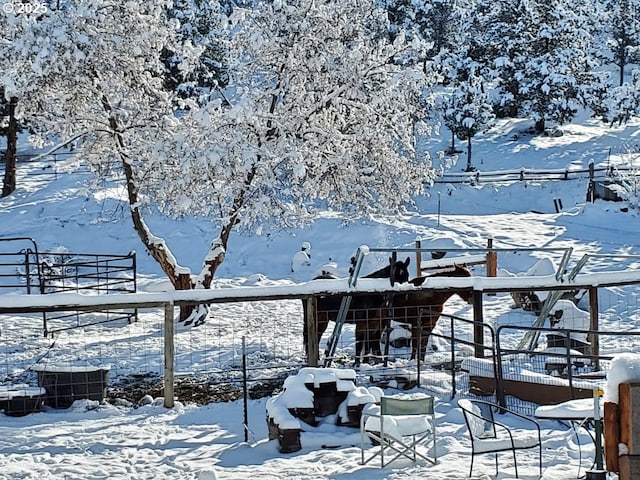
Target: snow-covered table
[(579, 413), (579, 410)]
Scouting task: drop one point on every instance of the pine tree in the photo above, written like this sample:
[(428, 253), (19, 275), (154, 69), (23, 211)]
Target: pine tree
[(467, 111), (623, 33)]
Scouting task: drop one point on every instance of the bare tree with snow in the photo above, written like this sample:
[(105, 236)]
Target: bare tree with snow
[(319, 108)]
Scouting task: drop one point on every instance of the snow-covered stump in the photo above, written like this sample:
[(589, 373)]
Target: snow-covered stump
[(66, 384), (20, 400), (350, 411), (314, 393)]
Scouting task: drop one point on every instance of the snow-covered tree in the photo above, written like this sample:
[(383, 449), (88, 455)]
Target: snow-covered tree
[(623, 33), (436, 21), (199, 25), (10, 130), (558, 62), (319, 108), (467, 110), (90, 72), (623, 103), (539, 54)]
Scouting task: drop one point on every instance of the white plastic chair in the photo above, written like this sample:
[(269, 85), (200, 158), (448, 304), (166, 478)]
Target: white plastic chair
[(400, 426), (489, 436)]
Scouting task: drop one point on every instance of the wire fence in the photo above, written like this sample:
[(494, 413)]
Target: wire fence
[(259, 343)]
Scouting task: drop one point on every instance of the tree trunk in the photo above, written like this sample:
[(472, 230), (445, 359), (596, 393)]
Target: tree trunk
[(157, 248), (469, 166), (180, 278), (10, 156)]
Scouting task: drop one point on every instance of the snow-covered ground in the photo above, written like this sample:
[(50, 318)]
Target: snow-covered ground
[(204, 442)]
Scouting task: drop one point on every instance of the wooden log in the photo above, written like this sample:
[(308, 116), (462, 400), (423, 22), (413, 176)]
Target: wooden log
[(611, 436), (629, 467), (625, 468), (629, 410)]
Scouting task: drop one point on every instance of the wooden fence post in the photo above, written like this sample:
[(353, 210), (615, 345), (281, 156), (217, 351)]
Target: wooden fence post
[(611, 436), (418, 258), (628, 407), (169, 355), (492, 261)]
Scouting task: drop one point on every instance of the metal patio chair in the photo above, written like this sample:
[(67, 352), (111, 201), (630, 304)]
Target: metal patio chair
[(400, 427), (490, 436)]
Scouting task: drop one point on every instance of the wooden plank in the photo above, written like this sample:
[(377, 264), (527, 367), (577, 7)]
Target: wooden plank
[(629, 411), (418, 258), (624, 409), (594, 326), (451, 261), (611, 436), (311, 324)]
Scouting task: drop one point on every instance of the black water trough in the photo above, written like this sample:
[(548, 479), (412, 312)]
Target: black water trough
[(66, 384)]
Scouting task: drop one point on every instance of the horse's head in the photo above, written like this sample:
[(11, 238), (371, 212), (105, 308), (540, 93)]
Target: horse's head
[(399, 270), (396, 271)]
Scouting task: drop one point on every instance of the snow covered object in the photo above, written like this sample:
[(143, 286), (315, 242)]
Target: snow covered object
[(314, 396)]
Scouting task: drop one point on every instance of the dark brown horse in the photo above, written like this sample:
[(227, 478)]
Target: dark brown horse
[(367, 308), (422, 308)]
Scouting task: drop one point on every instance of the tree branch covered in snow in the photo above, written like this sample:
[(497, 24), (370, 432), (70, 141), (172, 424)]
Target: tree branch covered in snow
[(319, 107)]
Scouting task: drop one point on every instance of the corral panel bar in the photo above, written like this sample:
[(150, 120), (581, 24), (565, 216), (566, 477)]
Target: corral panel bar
[(478, 324), (169, 355), (593, 314)]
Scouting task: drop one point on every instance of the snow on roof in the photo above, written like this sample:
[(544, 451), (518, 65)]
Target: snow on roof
[(333, 286), (8, 392)]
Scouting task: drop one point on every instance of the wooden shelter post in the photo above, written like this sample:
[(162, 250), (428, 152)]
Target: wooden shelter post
[(492, 261), (418, 258), (311, 328)]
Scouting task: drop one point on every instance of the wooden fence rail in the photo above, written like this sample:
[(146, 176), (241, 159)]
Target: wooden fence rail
[(521, 175)]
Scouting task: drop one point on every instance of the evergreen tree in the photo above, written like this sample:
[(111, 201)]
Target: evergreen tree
[(468, 111), (557, 64), (436, 22), (200, 23), (623, 102), (623, 33)]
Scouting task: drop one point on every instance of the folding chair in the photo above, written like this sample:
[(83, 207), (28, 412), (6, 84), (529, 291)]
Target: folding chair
[(489, 436), (399, 427)]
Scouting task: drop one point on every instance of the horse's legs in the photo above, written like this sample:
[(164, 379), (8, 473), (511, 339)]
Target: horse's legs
[(361, 345), (414, 341), (322, 320), (376, 326)]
